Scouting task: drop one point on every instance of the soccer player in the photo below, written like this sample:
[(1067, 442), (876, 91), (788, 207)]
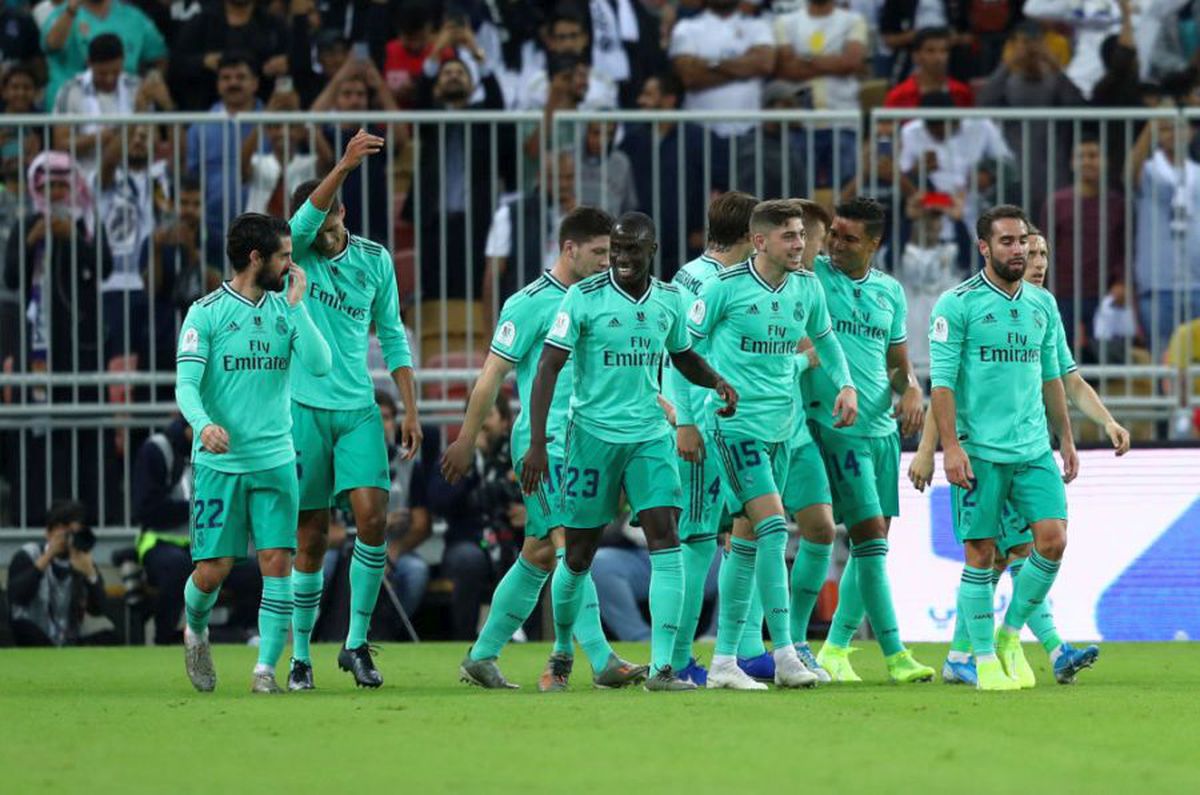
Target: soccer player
[(1015, 540), (525, 320), (617, 326), (993, 361), (869, 313), (340, 450), (728, 245), (754, 316), (232, 383)]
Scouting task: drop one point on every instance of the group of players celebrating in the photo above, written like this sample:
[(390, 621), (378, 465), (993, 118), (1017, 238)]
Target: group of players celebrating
[(785, 374)]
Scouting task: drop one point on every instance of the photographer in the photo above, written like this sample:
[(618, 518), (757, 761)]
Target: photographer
[(485, 519), (53, 587)]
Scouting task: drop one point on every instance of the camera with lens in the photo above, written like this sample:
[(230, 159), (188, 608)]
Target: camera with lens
[(83, 539)]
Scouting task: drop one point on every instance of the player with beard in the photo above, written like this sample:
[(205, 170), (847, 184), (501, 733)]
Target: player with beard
[(234, 363), (1015, 542), (994, 361), (616, 327), (340, 450)]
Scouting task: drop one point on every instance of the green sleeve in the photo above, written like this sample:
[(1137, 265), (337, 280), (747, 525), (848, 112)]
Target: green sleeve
[(1050, 364), (707, 309), (515, 335), (947, 333), (899, 330), (820, 331), (385, 311), (305, 224), (191, 359), (1066, 360), (308, 343), (678, 339), (570, 321)]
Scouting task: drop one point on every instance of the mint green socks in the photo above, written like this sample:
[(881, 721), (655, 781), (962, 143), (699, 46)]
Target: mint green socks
[(975, 608), (876, 593), (666, 604), (697, 559), (513, 601), (589, 632), (1032, 579), (366, 573), (736, 583), (809, 570), (566, 591), (198, 606), (772, 575), (306, 598), (751, 645), (274, 617), (849, 613)]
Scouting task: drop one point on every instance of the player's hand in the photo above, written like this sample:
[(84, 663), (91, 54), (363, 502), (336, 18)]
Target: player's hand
[(297, 285), (1070, 459), (920, 470), (729, 395), (456, 461), (689, 443), (360, 147), (411, 435), (910, 411), (215, 439), (1118, 436), (845, 408), (535, 468), (958, 468)]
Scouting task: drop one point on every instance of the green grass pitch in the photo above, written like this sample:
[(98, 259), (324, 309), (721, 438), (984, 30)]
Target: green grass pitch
[(126, 720)]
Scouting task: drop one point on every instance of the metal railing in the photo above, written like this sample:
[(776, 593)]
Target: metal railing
[(96, 279)]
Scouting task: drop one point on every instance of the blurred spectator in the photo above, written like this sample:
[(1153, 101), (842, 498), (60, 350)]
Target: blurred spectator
[(19, 41), (187, 261), (1033, 79), (1114, 325), (311, 75), (613, 26), (271, 182), (17, 148), (72, 26), (1119, 87), (781, 158), (930, 60), (935, 258), (605, 173), (566, 35), (902, 22), (680, 148), (55, 591), (1078, 225), (446, 195), (212, 147), (723, 58), (1167, 232), (408, 520), (169, 16), (406, 54), (519, 223), (234, 26), (485, 518), (826, 48), (989, 23)]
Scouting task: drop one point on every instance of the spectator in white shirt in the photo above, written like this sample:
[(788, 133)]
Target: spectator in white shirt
[(566, 35)]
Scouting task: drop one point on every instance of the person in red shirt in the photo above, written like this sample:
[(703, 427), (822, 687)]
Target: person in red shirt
[(931, 58), (406, 54)]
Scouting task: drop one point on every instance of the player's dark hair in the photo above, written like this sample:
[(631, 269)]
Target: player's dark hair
[(254, 232), (729, 218), (929, 34), (64, 512), (773, 214), (636, 223), (566, 12), (983, 227), (19, 69), (866, 210), (814, 212), (105, 47), (237, 58), (304, 190), (1033, 230), (582, 224), (669, 84)]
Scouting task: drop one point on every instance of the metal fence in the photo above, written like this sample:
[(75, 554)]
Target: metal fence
[(110, 226)]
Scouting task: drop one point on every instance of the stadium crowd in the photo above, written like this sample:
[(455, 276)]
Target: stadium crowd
[(122, 225)]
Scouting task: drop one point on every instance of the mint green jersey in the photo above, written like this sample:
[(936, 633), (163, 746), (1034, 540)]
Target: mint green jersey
[(753, 330), (869, 316), (346, 294), (234, 365), (800, 433), (618, 343), (995, 351), (687, 398), (1066, 360), (525, 320)]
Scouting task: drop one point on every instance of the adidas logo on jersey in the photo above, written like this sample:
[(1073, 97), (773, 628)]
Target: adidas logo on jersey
[(989, 318), (753, 309), (233, 326), (614, 323)]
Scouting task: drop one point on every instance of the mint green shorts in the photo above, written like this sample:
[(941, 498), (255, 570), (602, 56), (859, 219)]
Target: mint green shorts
[(864, 473), (703, 501), (337, 451), (1014, 530), (542, 507), (231, 509), (749, 468), (1034, 489), (596, 471), (807, 483)]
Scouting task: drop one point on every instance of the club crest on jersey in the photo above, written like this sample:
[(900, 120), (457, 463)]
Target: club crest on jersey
[(360, 279), (281, 326), (881, 302), (506, 333), (798, 312), (562, 322), (1037, 319), (940, 331), (662, 323), (190, 342), (697, 312)]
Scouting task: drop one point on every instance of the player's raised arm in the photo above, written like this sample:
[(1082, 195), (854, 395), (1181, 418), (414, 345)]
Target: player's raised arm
[(308, 218), (458, 456), (536, 464), (310, 346)]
